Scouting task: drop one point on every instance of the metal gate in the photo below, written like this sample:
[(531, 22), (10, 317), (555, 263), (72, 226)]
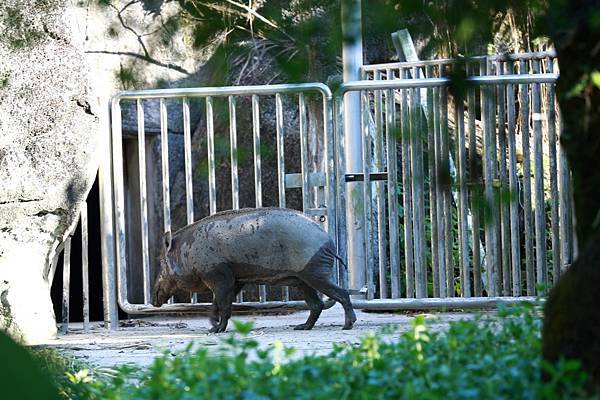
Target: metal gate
[(313, 180), (450, 205), (460, 201)]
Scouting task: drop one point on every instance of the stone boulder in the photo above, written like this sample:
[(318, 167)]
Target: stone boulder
[(49, 135)]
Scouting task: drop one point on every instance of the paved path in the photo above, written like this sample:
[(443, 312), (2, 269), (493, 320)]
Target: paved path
[(140, 340)]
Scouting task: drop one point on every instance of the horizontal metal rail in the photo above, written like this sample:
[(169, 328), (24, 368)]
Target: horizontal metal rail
[(441, 82), (450, 303), (449, 61), (222, 91)]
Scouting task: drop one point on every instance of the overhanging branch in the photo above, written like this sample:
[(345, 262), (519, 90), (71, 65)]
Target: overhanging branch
[(142, 57)]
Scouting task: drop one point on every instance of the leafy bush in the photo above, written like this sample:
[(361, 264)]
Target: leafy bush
[(484, 358)]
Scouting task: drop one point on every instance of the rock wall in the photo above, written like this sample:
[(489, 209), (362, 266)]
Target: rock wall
[(48, 140)]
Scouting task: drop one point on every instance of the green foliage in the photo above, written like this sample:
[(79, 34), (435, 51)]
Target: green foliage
[(168, 30), (300, 39), (483, 358), (462, 27), (130, 77), (20, 376)]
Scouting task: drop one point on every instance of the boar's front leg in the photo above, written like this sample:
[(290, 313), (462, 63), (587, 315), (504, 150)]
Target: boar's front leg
[(222, 283), (213, 316), (311, 296)]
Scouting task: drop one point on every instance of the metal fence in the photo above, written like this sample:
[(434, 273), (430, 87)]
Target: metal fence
[(64, 249), (464, 193), (482, 228)]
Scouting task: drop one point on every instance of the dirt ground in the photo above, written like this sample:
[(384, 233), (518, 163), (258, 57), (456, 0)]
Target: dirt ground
[(139, 341)]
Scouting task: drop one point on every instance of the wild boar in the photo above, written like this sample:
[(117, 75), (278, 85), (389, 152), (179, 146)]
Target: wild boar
[(225, 251)]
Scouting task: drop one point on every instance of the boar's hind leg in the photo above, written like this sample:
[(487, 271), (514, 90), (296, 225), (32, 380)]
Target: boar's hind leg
[(318, 277), (222, 284), (311, 296)]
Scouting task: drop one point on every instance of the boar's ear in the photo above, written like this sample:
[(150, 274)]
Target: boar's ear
[(167, 241)]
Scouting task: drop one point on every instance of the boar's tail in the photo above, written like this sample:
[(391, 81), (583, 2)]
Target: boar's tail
[(341, 261)]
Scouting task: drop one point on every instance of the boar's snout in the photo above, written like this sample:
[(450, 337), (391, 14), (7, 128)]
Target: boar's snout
[(161, 292)]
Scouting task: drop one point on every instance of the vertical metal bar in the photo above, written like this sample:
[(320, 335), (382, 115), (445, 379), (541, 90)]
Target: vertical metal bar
[(143, 201), (164, 148), (392, 163), (497, 267), (66, 285), (187, 149), (440, 267), (210, 136), (280, 168), (107, 223), (432, 102), (418, 208), (280, 149), (504, 205), (407, 193), (553, 166), (257, 157), (235, 185), (304, 152), (258, 179), (490, 217), (540, 209), (367, 196), (463, 203), (446, 186), (528, 225), (380, 192), (513, 182), (85, 266), (341, 186), (475, 189), (352, 55), (119, 210), (330, 167)]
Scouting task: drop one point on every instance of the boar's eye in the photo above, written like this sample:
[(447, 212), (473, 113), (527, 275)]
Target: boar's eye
[(167, 239)]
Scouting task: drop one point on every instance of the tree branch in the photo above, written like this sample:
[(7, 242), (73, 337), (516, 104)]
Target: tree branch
[(142, 57)]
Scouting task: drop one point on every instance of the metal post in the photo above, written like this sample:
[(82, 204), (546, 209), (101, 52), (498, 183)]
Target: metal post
[(85, 266), (109, 278), (352, 55), (64, 328)]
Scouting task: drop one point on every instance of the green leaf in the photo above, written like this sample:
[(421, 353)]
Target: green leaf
[(243, 328), (595, 78)]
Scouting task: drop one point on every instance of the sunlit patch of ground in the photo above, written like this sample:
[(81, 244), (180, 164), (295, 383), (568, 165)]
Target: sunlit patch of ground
[(139, 341)]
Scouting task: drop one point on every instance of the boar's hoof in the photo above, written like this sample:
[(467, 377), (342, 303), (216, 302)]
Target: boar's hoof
[(349, 323), (350, 319), (217, 329), (303, 327)]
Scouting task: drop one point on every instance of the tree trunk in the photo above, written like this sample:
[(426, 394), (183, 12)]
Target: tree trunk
[(572, 316)]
